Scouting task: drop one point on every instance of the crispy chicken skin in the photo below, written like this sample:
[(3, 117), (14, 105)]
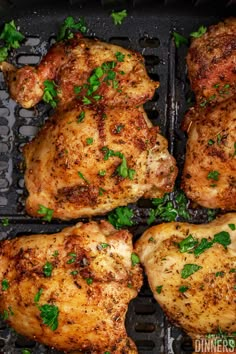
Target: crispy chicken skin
[(211, 62), (69, 167), (204, 301), (92, 281), (209, 175), (70, 63)]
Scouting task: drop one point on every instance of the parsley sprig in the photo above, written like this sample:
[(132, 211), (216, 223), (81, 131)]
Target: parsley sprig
[(11, 37), (121, 217), (50, 93), (69, 24), (122, 170), (47, 212), (49, 314), (118, 16)]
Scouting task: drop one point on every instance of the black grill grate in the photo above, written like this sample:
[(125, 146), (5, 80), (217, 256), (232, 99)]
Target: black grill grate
[(150, 34)]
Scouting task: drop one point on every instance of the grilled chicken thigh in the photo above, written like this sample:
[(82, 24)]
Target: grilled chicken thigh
[(211, 62), (83, 167), (71, 290), (209, 175), (191, 271), (117, 76)]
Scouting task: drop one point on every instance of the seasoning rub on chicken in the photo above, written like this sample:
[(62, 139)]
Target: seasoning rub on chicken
[(192, 272), (99, 150), (71, 290)]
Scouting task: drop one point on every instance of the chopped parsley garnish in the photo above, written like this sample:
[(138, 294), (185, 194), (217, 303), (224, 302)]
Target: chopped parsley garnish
[(102, 172), (232, 226), (81, 117), (213, 175), (232, 270), (101, 191), (134, 259), (159, 289), (74, 272), (187, 244), (7, 313), (220, 274), (25, 351), (211, 142), (48, 213), (121, 217), (55, 253), (69, 24), (201, 30), (234, 149), (151, 239), (119, 128), (86, 100), (72, 259), (50, 93), (89, 281), (38, 295), (5, 222), (49, 314), (183, 288), (5, 284), (123, 170), (179, 39), (104, 245), (77, 89), (47, 269), (11, 38), (169, 210), (118, 16), (82, 176), (119, 56), (222, 238), (89, 141), (189, 269)]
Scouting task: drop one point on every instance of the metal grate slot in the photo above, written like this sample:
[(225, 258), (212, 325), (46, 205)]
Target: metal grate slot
[(28, 59), (145, 345), (145, 327), (147, 42), (122, 41)]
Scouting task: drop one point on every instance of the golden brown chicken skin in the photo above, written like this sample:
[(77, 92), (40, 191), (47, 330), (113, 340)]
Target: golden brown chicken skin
[(121, 78), (191, 271), (209, 174), (87, 161), (211, 62), (71, 290)]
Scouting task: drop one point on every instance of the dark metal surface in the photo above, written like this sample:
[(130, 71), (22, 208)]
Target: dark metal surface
[(147, 29)]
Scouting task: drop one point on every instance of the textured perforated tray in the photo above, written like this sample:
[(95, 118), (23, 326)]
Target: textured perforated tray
[(147, 29)]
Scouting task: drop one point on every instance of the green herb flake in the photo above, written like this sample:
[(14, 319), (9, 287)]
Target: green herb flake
[(3, 54), (81, 117), (55, 253), (72, 259), (118, 16), (211, 142), (25, 351), (50, 93), (220, 274), (11, 36), (38, 295), (222, 238), (86, 100), (69, 24), (74, 272), (189, 269), (134, 259), (183, 288), (159, 289), (203, 246), (119, 56), (89, 281), (5, 284), (104, 245), (77, 89), (107, 353), (121, 217), (232, 227), (201, 30), (151, 239), (102, 172), (187, 244), (47, 269), (179, 39), (232, 270), (101, 191), (213, 175), (82, 176), (49, 314), (5, 222), (89, 141), (47, 212), (7, 313), (119, 128)]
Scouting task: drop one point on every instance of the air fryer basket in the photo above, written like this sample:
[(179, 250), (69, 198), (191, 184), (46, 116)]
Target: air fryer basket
[(147, 29)]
